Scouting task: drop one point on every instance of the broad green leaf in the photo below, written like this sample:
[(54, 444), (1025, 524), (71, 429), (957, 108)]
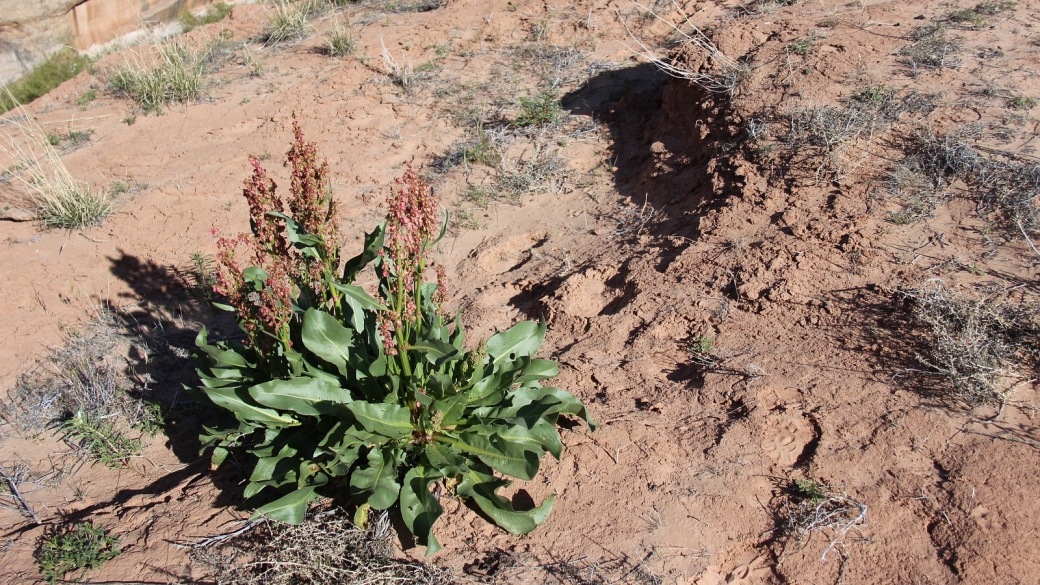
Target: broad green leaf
[(514, 459), (436, 351), (440, 385), (310, 473), (238, 402), (327, 338), (359, 301), (389, 420), (313, 371), (373, 242), (218, 457), (376, 484), (419, 508), (451, 409), (276, 471), (541, 438), (546, 434), (308, 396), (520, 340), (486, 388), (568, 403), (538, 370), (298, 234), (482, 488), (255, 275), (252, 489), (445, 459), (220, 357), (290, 508), (458, 338)]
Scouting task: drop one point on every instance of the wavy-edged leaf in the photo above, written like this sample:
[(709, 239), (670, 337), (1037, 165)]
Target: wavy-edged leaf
[(220, 357), (376, 484), (451, 409), (482, 488), (445, 459), (542, 437), (514, 459), (568, 403), (238, 402), (373, 242), (256, 276), (290, 508), (327, 338), (419, 509), (307, 396), (520, 340), (359, 301), (389, 420), (276, 471), (538, 370), (436, 351)]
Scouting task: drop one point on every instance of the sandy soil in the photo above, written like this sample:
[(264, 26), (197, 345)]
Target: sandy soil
[(663, 228)]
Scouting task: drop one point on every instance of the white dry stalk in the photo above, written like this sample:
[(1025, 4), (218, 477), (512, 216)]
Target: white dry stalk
[(729, 68), (401, 73), (56, 193)]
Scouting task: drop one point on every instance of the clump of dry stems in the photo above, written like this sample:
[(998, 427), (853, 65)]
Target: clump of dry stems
[(325, 549), (724, 73), (981, 344)]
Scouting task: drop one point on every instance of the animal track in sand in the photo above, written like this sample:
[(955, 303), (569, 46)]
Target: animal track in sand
[(751, 571), (785, 436)]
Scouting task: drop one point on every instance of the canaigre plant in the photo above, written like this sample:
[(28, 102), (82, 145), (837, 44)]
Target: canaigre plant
[(370, 391)]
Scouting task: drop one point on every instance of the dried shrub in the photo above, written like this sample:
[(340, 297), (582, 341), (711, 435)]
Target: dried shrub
[(839, 137), (979, 344), (326, 549), (1000, 183), (932, 49), (76, 378), (808, 506)]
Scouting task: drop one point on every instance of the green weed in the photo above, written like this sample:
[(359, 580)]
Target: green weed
[(702, 345), (1022, 103), (804, 46), (975, 17), (539, 111), (58, 68), (84, 546), (87, 97), (100, 440), (215, 13), (201, 277)]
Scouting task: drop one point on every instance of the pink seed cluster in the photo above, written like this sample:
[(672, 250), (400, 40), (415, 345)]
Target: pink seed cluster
[(265, 313)]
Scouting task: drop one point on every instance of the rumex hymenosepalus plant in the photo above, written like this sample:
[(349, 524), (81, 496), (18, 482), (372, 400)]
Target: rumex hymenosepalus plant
[(372, 393)]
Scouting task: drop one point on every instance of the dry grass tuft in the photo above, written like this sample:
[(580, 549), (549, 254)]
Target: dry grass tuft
[(978, 343), (175, 74), (76, 378), (340, 41), (325, 549), (1000, 183), (520, 177), (932, 49), (61, 200), (403, 73), (840, 137)]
